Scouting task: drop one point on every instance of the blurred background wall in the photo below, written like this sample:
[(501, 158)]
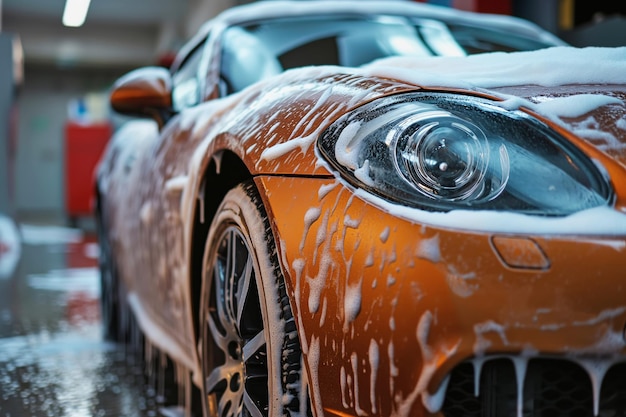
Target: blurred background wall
[(67, 74), (67, 70)]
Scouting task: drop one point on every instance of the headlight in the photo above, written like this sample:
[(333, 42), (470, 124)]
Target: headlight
[(443, 152)]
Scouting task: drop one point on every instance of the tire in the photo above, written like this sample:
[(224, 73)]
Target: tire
[(249, 348), (118, 323), (109, 297)]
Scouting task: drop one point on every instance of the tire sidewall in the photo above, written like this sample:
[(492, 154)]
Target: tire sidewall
[(241, 210)]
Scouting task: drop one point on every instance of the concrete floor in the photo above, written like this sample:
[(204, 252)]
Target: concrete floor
[(53, 360)]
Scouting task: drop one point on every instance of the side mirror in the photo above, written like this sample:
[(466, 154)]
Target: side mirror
[(145, 92)]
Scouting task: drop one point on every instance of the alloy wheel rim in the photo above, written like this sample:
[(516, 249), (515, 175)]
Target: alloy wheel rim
[(236, 366)]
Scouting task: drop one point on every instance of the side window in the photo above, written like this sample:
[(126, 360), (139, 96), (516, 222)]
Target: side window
[(186, 86)]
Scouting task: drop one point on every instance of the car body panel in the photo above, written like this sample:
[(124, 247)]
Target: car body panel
[(445, 293)]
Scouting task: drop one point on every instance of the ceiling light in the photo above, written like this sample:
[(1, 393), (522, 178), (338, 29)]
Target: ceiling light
[(75, 12)]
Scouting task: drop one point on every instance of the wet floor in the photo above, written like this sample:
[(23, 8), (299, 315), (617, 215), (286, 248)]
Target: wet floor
[(53, 360)]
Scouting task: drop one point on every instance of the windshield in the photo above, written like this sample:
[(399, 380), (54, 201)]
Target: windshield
[(257, 51)]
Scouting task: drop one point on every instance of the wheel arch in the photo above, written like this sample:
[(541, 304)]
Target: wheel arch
[(222, 174)]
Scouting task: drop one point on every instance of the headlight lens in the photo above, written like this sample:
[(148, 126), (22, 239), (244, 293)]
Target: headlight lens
[(443, 156), (443, 151)]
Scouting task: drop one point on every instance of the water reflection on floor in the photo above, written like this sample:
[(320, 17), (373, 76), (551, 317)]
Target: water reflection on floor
[(53, 360)]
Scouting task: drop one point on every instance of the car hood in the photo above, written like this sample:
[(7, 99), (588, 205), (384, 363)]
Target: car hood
[(276, 122)]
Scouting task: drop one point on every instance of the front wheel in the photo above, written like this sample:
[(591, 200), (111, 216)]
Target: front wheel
[(249, 346)]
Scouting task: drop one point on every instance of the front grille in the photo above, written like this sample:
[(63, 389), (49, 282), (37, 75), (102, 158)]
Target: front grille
[(552, 388)]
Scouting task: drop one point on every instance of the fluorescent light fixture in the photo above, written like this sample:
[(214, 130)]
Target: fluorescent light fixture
[(75, 12)]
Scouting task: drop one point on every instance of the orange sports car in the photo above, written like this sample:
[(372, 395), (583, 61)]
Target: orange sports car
[(373, 209)]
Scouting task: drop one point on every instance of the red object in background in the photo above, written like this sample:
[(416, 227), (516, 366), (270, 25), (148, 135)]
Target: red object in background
[(493, 6), (84, 145), (483, 6), (166, 59), (82, 308)]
